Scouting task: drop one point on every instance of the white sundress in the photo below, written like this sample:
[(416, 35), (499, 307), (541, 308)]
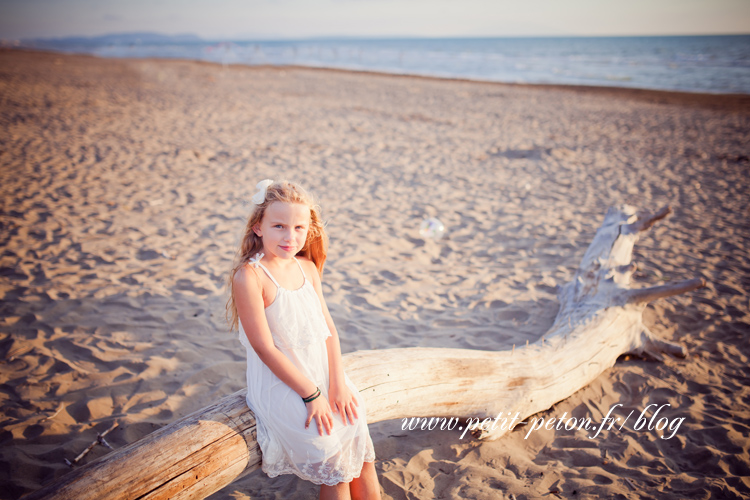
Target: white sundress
[(299, 330)]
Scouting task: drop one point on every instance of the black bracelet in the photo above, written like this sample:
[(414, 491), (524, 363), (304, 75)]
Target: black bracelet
[(313, 396)]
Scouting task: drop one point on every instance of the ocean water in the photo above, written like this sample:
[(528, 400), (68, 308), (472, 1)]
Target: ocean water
[(712, 64)]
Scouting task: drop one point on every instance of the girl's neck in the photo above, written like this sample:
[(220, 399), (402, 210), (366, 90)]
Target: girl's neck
[(277, 262), (285, 270)]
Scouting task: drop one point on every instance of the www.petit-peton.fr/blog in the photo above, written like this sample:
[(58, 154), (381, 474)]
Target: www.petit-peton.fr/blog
[(643, 422)]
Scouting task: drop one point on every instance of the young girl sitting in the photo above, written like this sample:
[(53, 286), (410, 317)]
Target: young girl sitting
[(295, 379)]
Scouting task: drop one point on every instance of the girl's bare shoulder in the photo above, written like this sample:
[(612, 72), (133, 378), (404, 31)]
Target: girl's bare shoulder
[(308, 265), (247, 274)]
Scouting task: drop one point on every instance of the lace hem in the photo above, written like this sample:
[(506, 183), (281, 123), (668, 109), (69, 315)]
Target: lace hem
[(285, 468)]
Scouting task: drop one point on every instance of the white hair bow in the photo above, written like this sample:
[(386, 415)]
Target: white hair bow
[(260, 196)]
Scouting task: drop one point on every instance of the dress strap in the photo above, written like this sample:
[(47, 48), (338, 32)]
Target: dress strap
[(304, 276), (255, 262)]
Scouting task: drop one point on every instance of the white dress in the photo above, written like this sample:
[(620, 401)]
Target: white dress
[(299, 331)]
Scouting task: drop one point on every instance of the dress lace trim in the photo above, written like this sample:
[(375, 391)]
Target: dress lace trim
[(341, 468)]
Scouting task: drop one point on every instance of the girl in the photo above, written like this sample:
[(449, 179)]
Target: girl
[(295, 378)]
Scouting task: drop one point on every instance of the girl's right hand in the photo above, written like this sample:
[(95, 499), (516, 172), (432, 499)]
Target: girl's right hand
[(320, 410)]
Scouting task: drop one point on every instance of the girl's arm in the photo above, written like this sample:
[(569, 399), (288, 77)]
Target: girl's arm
[(340, 397), (248, 295)]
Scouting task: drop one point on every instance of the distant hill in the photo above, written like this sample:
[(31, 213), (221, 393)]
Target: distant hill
[(115, 39)]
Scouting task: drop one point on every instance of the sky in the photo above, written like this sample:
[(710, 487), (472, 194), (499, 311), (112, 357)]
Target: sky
[(273, 19)]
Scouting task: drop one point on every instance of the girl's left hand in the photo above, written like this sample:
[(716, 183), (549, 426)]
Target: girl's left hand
[(343, 402)]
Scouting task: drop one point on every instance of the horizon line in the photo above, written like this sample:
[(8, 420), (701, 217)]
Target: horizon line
[(272, 38)]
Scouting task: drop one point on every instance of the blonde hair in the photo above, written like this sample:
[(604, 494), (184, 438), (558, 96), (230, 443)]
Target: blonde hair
[(315, 247)]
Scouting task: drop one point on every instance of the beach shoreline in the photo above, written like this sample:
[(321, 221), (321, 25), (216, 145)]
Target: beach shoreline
[(125, 186), (713, 100), (713, 64)]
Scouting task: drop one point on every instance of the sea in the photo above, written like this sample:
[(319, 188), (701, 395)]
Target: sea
[(705, 64)]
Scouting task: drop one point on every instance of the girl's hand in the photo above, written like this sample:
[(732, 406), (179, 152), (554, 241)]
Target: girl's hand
[(343, 402), (320, 410)]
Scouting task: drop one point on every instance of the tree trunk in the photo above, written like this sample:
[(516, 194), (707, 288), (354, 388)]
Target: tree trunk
[(599, 320)]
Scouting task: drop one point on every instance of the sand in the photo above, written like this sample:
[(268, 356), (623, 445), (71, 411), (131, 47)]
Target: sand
[(125, 185)]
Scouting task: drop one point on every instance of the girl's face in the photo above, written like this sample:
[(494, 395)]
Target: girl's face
[(284, 229)]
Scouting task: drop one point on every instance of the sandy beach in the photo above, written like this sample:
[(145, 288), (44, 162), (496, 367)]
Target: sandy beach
[(126, 184)]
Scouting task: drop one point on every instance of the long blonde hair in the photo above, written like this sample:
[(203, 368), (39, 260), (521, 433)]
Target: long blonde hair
[(315, 247)]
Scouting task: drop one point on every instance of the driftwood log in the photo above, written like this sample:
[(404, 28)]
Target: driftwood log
[(600, 318)]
